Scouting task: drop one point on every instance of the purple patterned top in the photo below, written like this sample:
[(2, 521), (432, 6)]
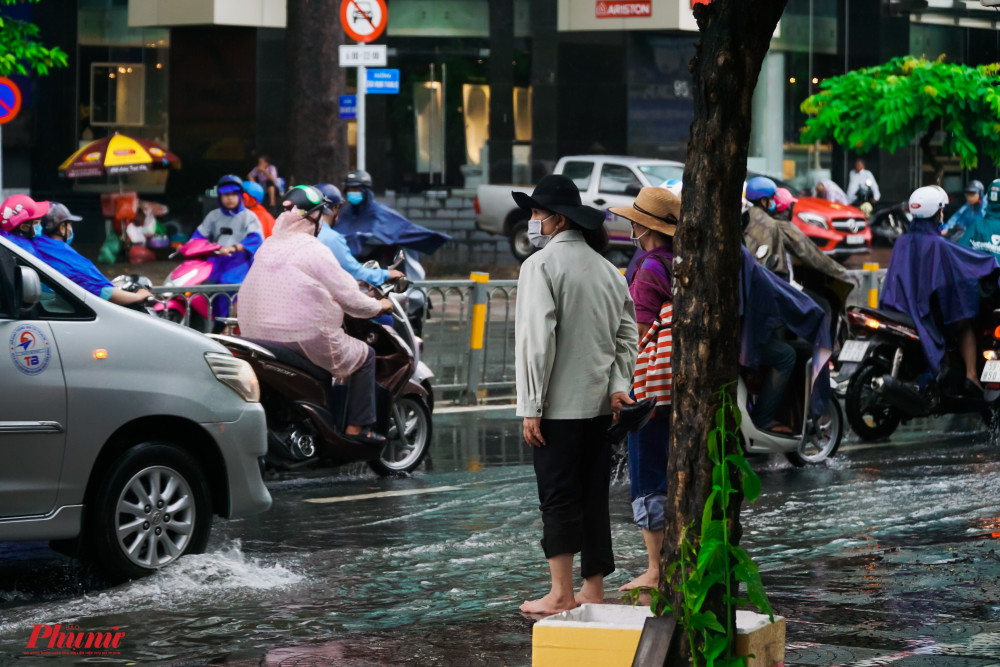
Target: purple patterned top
[(649, 285)]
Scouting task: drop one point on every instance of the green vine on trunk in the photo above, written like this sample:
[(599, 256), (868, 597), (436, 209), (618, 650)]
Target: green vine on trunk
[(714, 561)]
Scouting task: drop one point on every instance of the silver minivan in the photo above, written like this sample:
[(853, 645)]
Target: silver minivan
[(121, 434)]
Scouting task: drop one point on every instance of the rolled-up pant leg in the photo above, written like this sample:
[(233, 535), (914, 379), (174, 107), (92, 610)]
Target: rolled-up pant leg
[(573, 471), (361, 393)]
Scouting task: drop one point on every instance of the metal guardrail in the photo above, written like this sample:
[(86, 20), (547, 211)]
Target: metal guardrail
[(468, 327)]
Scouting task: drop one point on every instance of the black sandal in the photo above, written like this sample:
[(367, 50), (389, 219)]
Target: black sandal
[(368, 437)]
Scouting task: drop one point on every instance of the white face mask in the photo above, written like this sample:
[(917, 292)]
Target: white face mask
[(635, 239), (535, 235)]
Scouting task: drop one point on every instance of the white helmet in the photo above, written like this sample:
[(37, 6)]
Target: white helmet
[(925, 202), (673, 185)]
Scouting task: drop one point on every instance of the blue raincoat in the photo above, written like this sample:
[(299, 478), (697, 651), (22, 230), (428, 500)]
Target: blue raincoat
[(767, 302), (924, 264), (376, 224), (67, 261), (983, 234), (21, 242)]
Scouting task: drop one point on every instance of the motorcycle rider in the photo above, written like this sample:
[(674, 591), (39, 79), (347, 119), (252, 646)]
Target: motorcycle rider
[(859, 181), (253, 199), (771, 241), (972, 211), (296, 295), (20, 215), (235, 228), (337, 244), (937, 283), (53, 247), (783, 201)]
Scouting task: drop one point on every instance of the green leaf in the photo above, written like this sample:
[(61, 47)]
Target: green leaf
[(751, 482), (715, 646), (706, 620)]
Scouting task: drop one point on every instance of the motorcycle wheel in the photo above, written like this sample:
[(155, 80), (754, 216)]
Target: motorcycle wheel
[(868, 417), (824, 440), (409, 437)]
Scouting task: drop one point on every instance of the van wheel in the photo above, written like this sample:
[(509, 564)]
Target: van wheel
[(519, 243), (151, 508)]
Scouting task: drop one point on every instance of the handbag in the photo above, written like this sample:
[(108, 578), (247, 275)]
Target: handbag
[(654, 377)]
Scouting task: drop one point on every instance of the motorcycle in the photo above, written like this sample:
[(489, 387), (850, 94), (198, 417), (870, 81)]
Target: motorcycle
[(889, 223), (887, 360), (865, 198), (414, 300), (813, 439), (306, 408), (194, 270)]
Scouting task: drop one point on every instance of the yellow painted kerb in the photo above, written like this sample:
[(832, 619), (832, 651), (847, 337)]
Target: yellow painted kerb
[(478, 314)]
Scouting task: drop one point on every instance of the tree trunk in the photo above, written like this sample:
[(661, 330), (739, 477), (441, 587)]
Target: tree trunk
[(317, 138), (735, 35)]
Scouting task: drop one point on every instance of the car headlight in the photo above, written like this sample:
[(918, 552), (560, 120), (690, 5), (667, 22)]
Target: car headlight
[(814, 220), (236, 374)]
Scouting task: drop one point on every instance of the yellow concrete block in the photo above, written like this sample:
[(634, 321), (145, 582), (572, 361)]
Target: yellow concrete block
[(592, 635), (756, 635)]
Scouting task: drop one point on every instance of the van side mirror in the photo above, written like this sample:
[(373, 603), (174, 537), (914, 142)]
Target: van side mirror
[(28, 289)]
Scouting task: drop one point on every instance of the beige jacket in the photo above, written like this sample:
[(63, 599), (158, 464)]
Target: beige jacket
[(575, 334)]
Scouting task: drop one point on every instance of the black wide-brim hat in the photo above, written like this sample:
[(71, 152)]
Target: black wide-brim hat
[(559, 194)]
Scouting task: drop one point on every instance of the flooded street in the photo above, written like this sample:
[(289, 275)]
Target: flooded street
[(887, 549)]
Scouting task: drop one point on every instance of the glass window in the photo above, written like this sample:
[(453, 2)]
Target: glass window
[(658, 174), (117, 94), (57, 304), (616, 179), (579, 173)]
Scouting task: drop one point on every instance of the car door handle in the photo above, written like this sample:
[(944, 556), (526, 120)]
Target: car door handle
[(600, 202), (31, 427)]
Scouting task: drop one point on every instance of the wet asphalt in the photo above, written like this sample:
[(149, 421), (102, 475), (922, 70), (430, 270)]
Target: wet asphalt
[(886, 554)]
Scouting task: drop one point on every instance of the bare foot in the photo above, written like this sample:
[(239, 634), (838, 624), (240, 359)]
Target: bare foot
[(591, 592), (550, 604), (648, 579)]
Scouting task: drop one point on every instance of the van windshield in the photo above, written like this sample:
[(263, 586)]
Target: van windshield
[(658, 174)]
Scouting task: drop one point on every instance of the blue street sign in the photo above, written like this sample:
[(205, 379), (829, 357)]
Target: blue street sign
[(382, 82), (348, 107)]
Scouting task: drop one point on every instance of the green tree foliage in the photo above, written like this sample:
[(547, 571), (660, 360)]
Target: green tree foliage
[(20, 49), (890, 105)]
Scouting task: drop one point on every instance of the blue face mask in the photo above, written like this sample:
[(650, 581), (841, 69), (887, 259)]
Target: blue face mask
[(771, 206), (69, 239), (355, 198), (37, 229)]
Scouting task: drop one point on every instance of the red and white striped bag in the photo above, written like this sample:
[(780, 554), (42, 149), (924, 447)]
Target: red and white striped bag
[(654, 376)]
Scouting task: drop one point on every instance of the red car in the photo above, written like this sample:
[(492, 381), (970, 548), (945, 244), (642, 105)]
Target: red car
[(837, 229)]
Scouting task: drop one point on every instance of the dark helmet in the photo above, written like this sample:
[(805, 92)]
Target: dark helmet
[(229, 180), (58, 214), (358, 178), (975, 186), (306, 198), (332, 195)]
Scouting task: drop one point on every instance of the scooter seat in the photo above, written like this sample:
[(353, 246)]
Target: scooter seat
[(291, 358), (891, 315)]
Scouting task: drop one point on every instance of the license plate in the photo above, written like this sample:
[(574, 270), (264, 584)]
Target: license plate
[(853, 351), (991, 372), (855, 239)]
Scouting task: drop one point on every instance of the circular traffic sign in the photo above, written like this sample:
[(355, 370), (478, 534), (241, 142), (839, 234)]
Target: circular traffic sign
[(363, 20), (10, 100)]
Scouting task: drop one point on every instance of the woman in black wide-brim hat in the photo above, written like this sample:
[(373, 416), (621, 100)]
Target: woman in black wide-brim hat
[(575, 349)]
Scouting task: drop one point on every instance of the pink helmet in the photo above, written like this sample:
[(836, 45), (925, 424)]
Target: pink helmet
[(782, 199), (18, 209)]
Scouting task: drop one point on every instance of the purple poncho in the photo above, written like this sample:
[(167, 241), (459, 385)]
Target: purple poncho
[(923, 264)]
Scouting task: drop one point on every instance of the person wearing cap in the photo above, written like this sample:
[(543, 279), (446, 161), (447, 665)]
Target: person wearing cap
[(575, 350), (972, 211), (337, 244), (53, 247), (654, 217), (20, 216), (984, 234)]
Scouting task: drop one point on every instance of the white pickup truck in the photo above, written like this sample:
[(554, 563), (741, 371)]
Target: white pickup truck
[(604, 181)]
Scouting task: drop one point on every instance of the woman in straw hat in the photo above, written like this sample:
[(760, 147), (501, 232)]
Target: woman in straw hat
[(654, 217), (575, 348)]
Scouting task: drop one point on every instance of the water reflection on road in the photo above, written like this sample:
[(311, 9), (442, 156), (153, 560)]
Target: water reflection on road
[(350, 569)]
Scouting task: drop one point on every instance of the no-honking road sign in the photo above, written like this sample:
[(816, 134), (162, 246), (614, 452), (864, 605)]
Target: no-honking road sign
[(363, 20)]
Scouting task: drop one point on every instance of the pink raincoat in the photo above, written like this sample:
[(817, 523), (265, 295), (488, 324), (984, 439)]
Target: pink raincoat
[(296, 294)]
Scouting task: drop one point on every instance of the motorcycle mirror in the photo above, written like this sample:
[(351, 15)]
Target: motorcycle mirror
[(371, 264), (398, 260), (401, 285)]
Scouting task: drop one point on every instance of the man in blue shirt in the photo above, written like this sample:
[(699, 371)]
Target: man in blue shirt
[(972, 210), (336, 242)]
